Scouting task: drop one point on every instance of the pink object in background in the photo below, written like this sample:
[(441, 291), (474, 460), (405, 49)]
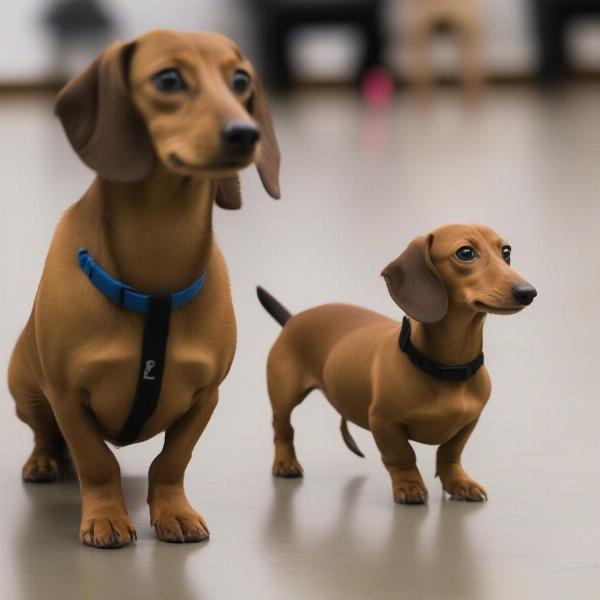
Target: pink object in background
[(377, 87)]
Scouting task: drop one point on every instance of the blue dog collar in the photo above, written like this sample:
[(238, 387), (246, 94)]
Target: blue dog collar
[(124, 295)]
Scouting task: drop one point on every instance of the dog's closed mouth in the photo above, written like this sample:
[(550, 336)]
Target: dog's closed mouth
[(497, 309), (177, 162)]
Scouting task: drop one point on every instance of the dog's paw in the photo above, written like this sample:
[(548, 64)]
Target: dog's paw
[(410, 492), (180, 525), (465, 489), (115, 531), (41, 468), (288, 468)]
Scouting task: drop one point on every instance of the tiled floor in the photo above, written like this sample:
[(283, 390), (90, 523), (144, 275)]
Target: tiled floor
[(357, 187)]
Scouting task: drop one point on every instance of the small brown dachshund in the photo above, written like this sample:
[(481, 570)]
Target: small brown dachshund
[(166, 121), (423, 380)]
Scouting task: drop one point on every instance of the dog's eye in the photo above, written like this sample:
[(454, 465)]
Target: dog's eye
[(169, 81), (466, 253), (506, 254), (240, 82)]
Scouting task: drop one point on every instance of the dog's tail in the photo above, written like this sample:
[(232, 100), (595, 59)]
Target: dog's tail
[(282, 315), (349, 440), (279, 312)]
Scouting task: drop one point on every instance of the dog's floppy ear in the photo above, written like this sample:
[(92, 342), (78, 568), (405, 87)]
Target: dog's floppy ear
[(269, 159), (101, 121), (228, 194), (415, 284)]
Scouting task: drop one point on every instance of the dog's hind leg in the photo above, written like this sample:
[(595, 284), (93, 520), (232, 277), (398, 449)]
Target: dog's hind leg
[(286, 391), (33, 408), (43, 465)]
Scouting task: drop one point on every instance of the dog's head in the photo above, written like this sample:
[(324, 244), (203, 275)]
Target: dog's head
[(460, 265), (190, 100)]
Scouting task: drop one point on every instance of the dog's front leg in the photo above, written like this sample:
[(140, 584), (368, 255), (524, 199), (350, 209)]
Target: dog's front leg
[(104, 519), (449, 469), (170, 512), (400, 460)]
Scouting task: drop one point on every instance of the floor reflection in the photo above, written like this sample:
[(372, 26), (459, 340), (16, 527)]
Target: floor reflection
[(49, 558), (428, 551)]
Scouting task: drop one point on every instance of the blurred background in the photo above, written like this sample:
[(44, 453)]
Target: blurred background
[(324, 41), (393, 117)]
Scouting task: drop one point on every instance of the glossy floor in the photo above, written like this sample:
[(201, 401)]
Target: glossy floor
[(358, 185)]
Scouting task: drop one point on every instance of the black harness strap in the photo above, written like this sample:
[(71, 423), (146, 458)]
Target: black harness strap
[(437, 370), (156, 332)]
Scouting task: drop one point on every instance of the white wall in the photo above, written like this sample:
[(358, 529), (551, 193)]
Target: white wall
[(27, 54)]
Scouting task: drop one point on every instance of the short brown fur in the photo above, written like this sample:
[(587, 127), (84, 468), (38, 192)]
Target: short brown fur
[(147, 220), (352, 355)]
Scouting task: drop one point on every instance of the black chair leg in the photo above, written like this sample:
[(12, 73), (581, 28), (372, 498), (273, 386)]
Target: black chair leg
[(278, 20), (373, 55), (551, 25), (275, 55)]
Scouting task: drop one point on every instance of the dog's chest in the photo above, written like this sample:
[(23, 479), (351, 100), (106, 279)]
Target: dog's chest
[(111, 373), (438, 419)]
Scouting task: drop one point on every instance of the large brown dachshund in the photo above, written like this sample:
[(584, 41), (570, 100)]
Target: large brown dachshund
[(166, 121), (423, 380)]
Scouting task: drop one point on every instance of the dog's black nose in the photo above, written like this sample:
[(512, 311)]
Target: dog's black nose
[(524, 293), (240, 136)]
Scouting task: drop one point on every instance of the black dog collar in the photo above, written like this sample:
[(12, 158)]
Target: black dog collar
[(437, 370)]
